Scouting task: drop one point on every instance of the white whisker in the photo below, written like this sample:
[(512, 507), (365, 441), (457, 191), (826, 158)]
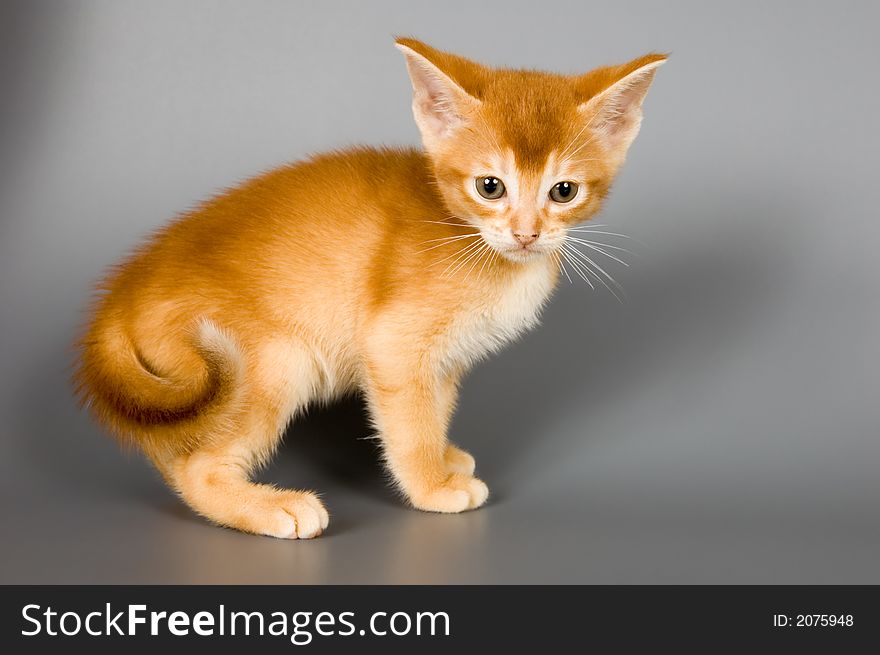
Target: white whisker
[(483, 253), (579, 148), (451, 224), (489, 260), (600, 243), (597, 249), (460, 265), (577, 266), (561, 266), (590, 263), (494, 138), (613, 234), (465, 252), (446, 240), (562, 155), (464, 261), (457, 253)]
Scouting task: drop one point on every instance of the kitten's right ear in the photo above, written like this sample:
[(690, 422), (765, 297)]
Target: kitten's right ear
[(440, 105)]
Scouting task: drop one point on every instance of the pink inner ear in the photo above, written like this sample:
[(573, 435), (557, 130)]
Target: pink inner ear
[(433, 89), (620, 113), (438, 102), (436, 114), (619, 108), (435, 98)]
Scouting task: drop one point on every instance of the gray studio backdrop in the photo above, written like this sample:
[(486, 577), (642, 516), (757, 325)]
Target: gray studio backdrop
[(720, 425)]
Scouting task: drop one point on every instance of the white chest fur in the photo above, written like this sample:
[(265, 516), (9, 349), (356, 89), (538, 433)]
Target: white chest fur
[(490, 321)]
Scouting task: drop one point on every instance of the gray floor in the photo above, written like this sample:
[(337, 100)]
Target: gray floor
[(720, 425)]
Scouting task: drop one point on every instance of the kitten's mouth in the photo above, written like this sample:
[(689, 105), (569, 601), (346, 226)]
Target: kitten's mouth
[(518, 253), (522, 253)]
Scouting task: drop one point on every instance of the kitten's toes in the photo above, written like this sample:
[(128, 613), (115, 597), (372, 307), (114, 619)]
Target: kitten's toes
[(458, 493), (459, 461), (291, 515)]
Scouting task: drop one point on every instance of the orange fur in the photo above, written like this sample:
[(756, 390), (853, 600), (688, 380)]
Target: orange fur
[(381, 271)]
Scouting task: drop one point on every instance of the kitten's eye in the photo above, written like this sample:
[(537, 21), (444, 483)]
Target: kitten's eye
[(491, 188), (563, 192)]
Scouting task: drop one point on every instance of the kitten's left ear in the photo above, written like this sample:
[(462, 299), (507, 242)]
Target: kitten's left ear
[(440, 105), (614, 114)]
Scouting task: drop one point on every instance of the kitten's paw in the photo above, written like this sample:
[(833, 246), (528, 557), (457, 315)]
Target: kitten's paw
[(459, 461), (289, 515), (458, 493)]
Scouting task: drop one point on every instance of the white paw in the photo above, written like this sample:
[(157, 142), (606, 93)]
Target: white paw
[(290, 515), (459, 461), (459, 492)]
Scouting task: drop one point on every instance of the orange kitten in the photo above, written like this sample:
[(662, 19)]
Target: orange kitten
[(379, 271)]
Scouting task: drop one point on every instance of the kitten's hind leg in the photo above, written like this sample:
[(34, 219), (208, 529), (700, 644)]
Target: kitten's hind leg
[(215, 485), (215, 479)]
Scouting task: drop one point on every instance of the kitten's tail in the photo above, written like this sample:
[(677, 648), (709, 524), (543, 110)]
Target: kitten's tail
[(159, 413)]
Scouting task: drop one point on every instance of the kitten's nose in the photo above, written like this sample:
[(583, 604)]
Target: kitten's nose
[(526, 239)]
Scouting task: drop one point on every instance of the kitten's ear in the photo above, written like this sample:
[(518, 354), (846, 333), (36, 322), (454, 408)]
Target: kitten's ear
[(440, 105), (614, 112)]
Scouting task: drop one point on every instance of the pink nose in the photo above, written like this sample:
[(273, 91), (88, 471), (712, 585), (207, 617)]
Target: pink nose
[(525, 239)]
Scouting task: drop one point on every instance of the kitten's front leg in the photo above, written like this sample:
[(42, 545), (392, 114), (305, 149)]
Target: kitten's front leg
[(412, 411), (457, 460)]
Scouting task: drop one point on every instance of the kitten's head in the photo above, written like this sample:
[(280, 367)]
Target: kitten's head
[(523, 155)]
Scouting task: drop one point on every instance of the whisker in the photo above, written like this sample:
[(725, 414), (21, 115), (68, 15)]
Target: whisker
[(446, 223), (577, 136), (464, 262), (589, 262), (592, 263), (483, 254), (591, 272), (613, 234), (451, 264), (451, 236), (600, 243), (577, 266), (454, 237), (581, 147), (446, 242), (459, 252), (586, 230), (561, 266), (489, 260), (461, 265), (464, 252), (418, 252), (498, 149), (572, 157), (474, 256), (597, 249)]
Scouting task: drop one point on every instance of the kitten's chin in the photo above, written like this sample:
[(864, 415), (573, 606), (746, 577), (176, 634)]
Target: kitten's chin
[(522, 255)]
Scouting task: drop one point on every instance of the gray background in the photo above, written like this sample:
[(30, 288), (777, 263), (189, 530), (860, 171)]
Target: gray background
[(721, 425)]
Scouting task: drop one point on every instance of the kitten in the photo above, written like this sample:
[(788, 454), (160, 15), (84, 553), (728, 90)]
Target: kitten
[(387, 272)]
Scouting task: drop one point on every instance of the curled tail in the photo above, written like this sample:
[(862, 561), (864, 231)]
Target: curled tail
[(160, 412)]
